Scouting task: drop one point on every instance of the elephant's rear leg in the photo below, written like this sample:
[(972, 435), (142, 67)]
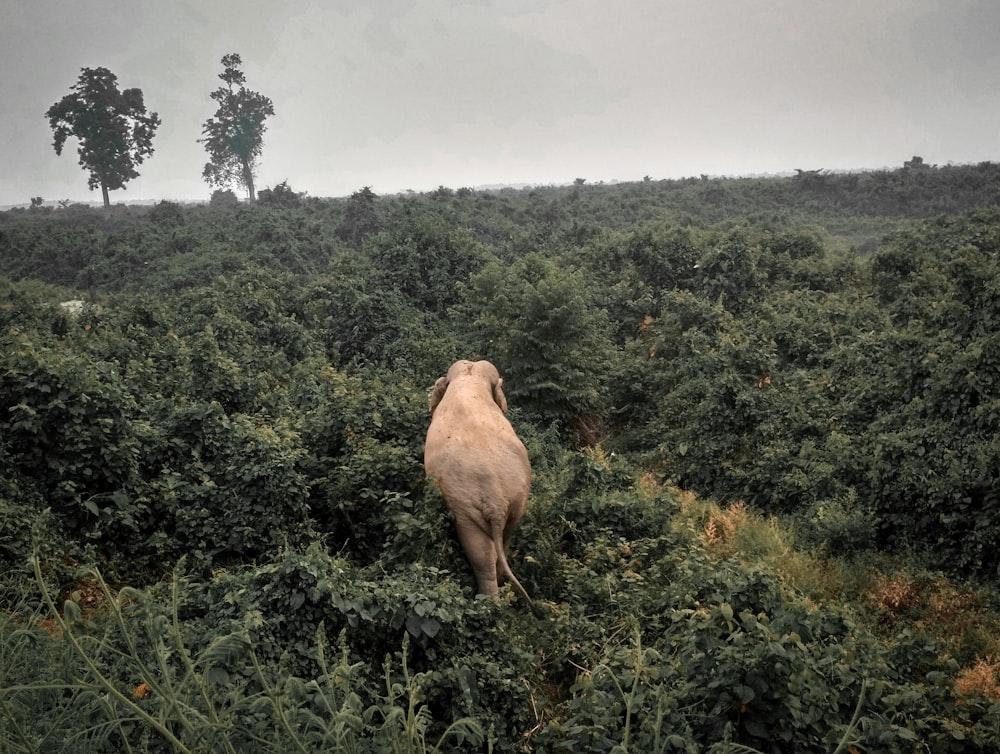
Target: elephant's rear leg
[(481, 554)]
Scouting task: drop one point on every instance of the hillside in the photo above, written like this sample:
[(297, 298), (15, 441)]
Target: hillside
[(761, 415)]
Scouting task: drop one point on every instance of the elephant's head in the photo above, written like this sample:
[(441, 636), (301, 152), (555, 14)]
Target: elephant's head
[(482, 370)]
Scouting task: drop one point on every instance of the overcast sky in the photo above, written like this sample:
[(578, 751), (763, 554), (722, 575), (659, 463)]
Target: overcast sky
[(412, 94)]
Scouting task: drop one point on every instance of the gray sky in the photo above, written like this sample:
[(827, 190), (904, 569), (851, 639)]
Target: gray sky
[(413, 94)]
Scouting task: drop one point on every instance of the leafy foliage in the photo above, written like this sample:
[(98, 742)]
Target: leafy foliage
[(114, 130), (234, 136), (67, 426), (216, 533), (535, 319), (281, 196)]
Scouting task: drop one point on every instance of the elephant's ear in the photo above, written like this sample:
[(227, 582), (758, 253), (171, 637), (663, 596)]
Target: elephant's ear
[(437, 393), (498, 396)]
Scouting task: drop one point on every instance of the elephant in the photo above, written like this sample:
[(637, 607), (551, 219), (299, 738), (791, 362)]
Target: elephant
[(481, 467)]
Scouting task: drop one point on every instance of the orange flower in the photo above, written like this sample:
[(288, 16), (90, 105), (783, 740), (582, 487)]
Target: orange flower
[(142, 691)]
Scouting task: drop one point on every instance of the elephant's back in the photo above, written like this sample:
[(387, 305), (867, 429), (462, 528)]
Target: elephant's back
[(492, 438), (463, 443)]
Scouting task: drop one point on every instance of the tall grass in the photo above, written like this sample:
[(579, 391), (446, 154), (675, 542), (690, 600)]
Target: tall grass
[(121, 677)]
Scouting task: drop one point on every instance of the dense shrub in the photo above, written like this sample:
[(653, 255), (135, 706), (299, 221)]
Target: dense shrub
[(364, 435), (281, 196), (66, 422), (224, 199), (241, 401), (535, 319)]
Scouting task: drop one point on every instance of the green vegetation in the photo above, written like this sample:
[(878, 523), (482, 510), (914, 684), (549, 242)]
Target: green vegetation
[(113, 128), (234, 137), (762, 416)]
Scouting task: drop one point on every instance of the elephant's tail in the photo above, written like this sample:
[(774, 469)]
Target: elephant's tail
[(538, 611)]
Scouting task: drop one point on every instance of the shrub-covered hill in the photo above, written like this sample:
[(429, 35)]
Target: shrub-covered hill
[(216, 533), (169, 246)]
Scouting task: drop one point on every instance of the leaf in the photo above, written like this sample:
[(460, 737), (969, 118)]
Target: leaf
[(424, 607), (71, 611), (430, 627), (757, 728), (413, 626), (217, 675), (225, 649), (399, 618), (744, 693)]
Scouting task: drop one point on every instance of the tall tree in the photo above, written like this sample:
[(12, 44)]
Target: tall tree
[(361, 219), (113, 127), (234, 137)]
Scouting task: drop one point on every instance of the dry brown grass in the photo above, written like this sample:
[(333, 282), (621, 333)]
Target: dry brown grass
[(721, 529), (981, 679), (892, 595)]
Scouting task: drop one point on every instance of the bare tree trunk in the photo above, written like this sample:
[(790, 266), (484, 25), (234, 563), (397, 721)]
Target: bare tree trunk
[(248, 180), (104, 194)]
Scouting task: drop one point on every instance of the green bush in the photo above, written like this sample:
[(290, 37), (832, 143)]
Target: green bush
[(461, 647), (553, 348), (363, 434), (67, 423), (769, 674), (223, 488), (841, 525)]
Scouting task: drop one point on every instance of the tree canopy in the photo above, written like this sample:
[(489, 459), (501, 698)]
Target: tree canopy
[(113, 127), (234, 136)]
